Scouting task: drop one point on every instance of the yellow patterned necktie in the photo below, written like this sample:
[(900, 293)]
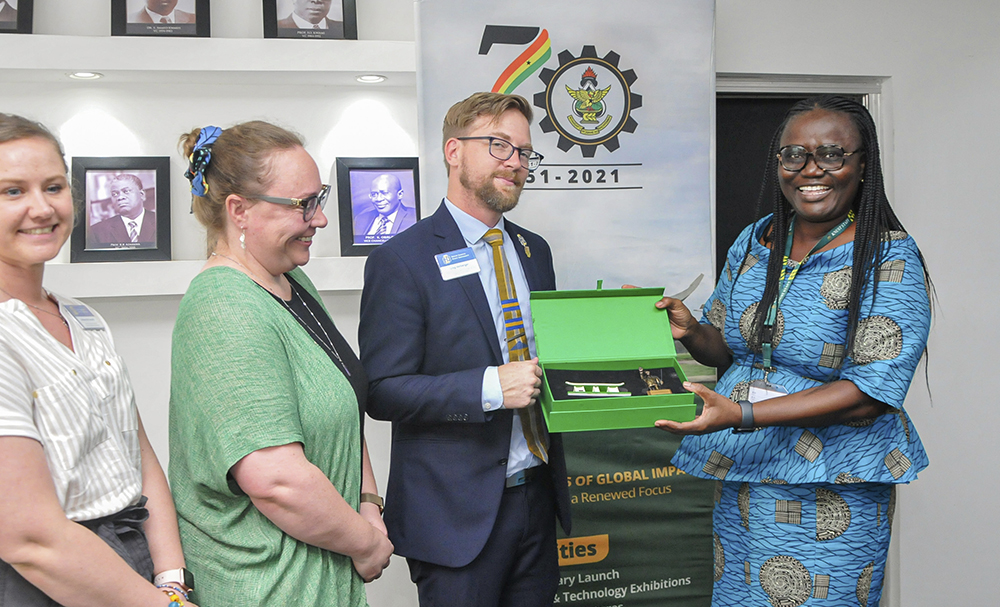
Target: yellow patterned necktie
[(517, 343)]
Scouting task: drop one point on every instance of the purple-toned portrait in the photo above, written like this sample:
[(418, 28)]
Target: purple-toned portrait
[(382, 204)]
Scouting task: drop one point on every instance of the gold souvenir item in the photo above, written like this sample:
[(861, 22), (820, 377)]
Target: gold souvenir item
[(653, 383)]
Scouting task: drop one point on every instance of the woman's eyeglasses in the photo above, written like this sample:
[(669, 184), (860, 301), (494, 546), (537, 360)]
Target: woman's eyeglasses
[(828, 157), (308, 204)]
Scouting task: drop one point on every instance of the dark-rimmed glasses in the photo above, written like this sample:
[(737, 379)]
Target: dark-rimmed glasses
[(308, 204), (828, 157), (501, 149)]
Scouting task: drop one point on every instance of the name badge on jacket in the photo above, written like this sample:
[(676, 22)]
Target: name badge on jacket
[(84, 316), (457, 263)]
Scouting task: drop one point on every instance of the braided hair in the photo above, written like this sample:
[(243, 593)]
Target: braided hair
[(874, 217)]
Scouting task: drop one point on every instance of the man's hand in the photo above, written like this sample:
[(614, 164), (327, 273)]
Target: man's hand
[(370, 513), (521, 383)]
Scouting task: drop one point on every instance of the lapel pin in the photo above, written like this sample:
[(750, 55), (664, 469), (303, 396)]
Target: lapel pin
[(524, 243)]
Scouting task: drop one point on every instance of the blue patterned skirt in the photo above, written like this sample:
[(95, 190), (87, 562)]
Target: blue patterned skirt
[(789, 545)]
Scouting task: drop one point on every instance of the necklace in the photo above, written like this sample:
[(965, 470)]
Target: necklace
[(47, 296), (326, 344)]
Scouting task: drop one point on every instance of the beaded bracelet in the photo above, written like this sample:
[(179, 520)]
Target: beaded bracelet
[(175, 599), (170, 586)]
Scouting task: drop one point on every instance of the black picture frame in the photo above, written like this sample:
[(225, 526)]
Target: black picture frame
[(278, 21), (17, 20), (100, 233), (194, 19), (356, 181)]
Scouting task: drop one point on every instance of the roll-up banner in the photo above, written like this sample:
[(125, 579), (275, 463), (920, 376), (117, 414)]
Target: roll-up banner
[(624, 95)]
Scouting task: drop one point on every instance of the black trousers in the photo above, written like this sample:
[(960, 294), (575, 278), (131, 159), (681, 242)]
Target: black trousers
[(518, 567), (122, 531)]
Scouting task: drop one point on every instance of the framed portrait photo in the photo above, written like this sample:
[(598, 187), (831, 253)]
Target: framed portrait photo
[(15, 16), (378, 198), (123, 209), (171, 18), (321, 19)]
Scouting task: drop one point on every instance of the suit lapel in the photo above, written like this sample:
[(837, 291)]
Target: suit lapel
[(450, 239), (118, 226), (530, 270), (148, 232)]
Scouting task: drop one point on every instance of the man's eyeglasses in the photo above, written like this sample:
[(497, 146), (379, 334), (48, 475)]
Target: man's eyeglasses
[(501, 149), (308, 205), (828, 157)]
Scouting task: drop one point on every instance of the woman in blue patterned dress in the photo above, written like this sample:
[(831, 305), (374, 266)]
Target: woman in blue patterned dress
[(806, 430)]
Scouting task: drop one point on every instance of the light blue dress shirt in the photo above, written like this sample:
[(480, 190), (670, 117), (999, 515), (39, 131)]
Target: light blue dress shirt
[(472, 231)]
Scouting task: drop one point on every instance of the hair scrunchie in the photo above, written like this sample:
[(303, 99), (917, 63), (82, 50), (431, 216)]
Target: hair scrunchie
[(199, 159)]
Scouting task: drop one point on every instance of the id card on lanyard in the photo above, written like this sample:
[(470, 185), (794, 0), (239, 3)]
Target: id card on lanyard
[(761, 388)]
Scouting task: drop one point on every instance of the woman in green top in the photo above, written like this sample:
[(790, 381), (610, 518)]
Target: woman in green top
[(274, 489)]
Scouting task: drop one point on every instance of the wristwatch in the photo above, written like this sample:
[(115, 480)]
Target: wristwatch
[(373, 498), (181, 576), (746, 424)]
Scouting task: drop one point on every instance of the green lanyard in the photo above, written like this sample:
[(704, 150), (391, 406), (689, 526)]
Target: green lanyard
[(786, 283)]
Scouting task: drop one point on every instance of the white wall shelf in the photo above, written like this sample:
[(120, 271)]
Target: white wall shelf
[(158, 278), (207, 62), (135, 59)]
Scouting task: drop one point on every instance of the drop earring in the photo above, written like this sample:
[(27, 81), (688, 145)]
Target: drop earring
[(243, 239)]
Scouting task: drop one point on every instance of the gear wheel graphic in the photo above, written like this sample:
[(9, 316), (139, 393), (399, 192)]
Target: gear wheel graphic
[(551, 97)]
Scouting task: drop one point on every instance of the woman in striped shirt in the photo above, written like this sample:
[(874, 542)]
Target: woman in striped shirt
[(80, 488)]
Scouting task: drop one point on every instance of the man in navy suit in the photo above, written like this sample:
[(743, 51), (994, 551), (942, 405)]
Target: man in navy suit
[(133, 226), (312, 15), (469, 503), (387, 216), (161, 11)]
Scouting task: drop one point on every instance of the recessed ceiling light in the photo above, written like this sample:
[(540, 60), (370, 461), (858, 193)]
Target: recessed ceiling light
[(85, 75), (371, 78)]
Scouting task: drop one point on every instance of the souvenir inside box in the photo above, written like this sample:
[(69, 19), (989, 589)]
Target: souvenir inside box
[(565, 383)]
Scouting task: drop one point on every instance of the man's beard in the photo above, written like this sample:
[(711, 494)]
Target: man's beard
[(489, 194)]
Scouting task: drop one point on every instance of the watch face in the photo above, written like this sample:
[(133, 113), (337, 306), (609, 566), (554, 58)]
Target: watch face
[(176, 576), (372, 498)]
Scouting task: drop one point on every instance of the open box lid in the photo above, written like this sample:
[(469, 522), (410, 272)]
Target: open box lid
[(612, 324)]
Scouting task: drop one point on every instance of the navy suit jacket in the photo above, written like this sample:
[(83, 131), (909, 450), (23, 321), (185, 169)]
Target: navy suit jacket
[(112, 231), (425, 344)]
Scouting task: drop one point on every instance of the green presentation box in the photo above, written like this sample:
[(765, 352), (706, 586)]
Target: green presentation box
[(605, 331)]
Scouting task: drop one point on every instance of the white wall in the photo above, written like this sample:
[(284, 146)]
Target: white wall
[(940, 60)]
